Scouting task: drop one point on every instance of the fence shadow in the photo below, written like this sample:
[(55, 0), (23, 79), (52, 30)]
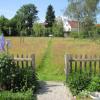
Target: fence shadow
[(43, 88)]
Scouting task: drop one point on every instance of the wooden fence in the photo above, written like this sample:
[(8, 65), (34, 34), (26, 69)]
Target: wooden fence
[(23, 61), (88, 64)]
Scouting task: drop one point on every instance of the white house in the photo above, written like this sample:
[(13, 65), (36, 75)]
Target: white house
[(68, 24)]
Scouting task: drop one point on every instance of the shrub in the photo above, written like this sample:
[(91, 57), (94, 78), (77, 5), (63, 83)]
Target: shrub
[(57, 29), (78, 82), (95, 84), (74, 34), (24, 79), (15, 78), (7, 71)]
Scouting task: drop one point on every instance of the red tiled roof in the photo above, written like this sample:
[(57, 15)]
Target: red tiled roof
[(73, 24), (97, 25)]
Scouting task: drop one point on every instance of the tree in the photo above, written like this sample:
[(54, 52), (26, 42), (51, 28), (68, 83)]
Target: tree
[(39, 29), (89, 17), (50, 16), (57, 28), (13, 26), (26, 16), (4, 25), (74, 11), (84, 11)]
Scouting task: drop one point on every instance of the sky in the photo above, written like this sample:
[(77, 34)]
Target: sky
[(8, 8)]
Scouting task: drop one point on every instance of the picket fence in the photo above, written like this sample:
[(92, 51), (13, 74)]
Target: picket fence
[(82, 63), (25, 61)]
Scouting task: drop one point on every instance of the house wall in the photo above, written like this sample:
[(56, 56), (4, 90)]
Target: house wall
[(74, 29)]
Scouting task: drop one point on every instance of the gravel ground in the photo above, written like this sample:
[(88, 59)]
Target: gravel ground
[(53, 91)]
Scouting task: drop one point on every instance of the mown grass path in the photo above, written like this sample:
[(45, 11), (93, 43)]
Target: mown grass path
[(47, 70)]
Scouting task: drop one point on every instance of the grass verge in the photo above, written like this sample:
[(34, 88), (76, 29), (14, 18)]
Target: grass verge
[(7, 95)]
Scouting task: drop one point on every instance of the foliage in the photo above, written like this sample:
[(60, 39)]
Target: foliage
[(84, 93), (82, 34), (98, 30), (8, 95), (26, 16), (74, 34), (14, 78), (7, 71), (4, 25), (95, 84), (78, 82), (84, 11), (13, 26), (48, 31), (50, 16), (57, 29), (39, 29)]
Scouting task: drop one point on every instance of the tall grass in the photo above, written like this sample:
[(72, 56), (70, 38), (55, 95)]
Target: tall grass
[(50, 56)]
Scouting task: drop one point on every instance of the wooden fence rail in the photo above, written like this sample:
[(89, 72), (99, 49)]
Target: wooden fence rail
[(89, 64), (25, 62)]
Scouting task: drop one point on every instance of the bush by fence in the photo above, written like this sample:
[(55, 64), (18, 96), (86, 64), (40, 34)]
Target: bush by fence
[(83, 82), (78, 82), (17, 74), (82, 73)]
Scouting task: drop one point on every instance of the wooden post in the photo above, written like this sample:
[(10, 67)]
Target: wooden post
[(67, 65), (27, 61), (33, 61), (95, 64), (17, 61), (99, 65), (85, 63), (80, 64), (75, 63), (90, 64), (22, 61)]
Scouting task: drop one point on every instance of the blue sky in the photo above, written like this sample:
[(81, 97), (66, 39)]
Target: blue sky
[(8, 8)]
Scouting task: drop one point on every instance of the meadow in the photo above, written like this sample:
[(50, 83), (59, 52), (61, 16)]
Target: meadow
[(50, 53)]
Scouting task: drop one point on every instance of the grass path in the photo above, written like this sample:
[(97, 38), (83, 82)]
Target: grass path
[(47, 70)]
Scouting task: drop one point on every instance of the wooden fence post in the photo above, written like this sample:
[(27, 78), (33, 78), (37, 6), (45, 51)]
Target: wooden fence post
[(67, 65), (80, 64), (17, 61), (90, 65), (33, 61), (95, 64), (75, 63), (99, 65), (22, 62)]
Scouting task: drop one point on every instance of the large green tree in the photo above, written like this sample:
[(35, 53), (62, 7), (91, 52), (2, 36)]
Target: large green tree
[(13, 27), (26, 16), (4, 25), (50, 16)]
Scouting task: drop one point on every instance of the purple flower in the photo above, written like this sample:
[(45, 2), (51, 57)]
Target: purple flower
[(2, 42)]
